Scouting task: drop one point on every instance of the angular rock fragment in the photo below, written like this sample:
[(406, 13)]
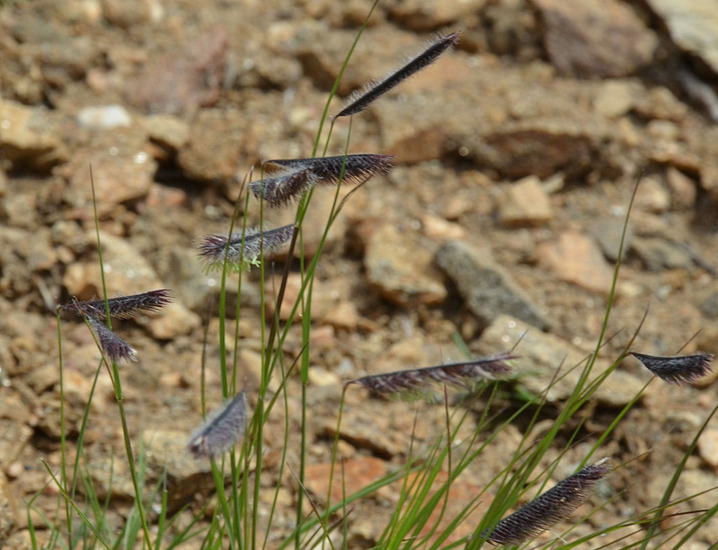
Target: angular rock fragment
[(488, 289)]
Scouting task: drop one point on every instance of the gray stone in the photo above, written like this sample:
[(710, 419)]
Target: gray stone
[(709, 302), (542, 354), (658, 254), (488, 289), (608, 232), (692, 25)]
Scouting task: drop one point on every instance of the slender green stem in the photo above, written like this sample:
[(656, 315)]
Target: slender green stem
[(117, 384)]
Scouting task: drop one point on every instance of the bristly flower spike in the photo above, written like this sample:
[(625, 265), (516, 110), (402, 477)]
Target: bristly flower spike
[(112, 345), (122, 307), (413, 383), (222, 429), (554, 505), (362, 99), (283, 188), (677, 370), (244, 249), (298, 175)]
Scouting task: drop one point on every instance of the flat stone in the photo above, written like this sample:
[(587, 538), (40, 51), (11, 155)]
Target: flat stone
[(709, 302), (14, 436), (183, 80), (400, 269), (122, 169), (601, 38), (683, 189), (168, 130), (607, 232), (658, 254), (539, 149), (29, 138), (525, 204), (166, 451), (577, 259), (128, 272), (488, 289), (349, 476), (652, 196), (692, 25), (8, 509), (427, 15), (708, 447), (216, 137), (542, 354), (615, 98)]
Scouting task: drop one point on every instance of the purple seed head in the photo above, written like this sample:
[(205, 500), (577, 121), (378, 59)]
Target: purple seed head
[(222, 429)]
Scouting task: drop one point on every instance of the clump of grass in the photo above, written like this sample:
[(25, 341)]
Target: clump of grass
[(238, 476)]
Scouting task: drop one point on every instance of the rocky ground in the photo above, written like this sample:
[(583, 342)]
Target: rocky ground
[(516, 156)]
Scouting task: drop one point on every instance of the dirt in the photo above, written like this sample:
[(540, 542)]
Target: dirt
[(520, 148)]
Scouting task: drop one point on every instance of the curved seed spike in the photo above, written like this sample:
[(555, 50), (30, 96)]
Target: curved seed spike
[(677, 370), (328, 170), (283, 188), (374, 90), (412, 382), (554, 505), (122, 307), (113, 346), (244, 249), (222, 429)]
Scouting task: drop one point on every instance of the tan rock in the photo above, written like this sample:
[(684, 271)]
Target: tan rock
[(401, 268), (603, 38), (577, 259), (525, 204)]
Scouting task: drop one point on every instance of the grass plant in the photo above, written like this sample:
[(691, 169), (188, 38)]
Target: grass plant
[(233, 442)]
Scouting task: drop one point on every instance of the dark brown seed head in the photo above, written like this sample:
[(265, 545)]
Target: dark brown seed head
[(112, 345), (222, 429), (362, 99), (122, 307), (554, 505), (677, 370), (244, 249), (412, 383)]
